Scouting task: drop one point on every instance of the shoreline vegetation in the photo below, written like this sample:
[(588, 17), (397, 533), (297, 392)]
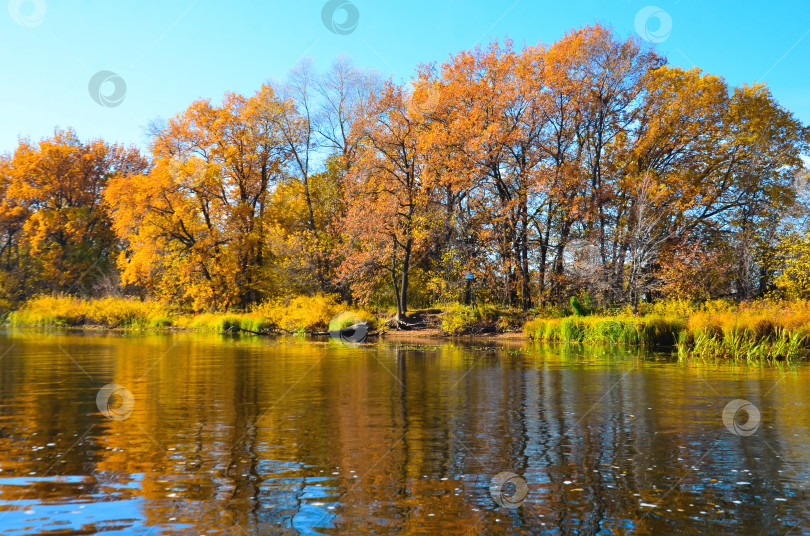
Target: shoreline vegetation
[(577, 192), (718, 330)]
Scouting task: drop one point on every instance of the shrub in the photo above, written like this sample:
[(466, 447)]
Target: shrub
[(301, 313), (458, 319), (577, 307), (107, 312)]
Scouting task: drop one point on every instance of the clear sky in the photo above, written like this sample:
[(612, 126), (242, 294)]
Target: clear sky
[(170, 52)]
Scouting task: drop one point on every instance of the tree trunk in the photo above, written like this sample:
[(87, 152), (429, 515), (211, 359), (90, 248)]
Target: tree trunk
[(526, 289), (403, 300), (396, 285)]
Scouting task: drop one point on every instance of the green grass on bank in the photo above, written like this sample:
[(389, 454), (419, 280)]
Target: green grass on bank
[(756, 331), (651, 330)]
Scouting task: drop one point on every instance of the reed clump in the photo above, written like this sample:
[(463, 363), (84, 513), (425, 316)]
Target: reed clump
[(759, 331), (651, 330), (717, 329)]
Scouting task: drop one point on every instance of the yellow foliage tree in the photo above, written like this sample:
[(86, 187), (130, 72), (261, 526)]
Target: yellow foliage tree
[(56, 231), (194, 226)]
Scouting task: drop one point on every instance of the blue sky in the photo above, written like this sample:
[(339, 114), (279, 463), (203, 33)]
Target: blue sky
[(172, 52)]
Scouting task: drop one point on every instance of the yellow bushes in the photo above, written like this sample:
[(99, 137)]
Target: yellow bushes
[(297, 314), (301, 313), (110, 312), (793, 257), (458, 319)]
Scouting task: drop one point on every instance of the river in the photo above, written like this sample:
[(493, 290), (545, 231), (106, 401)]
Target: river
[(181, 433)]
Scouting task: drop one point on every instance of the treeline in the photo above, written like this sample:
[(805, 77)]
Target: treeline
[(586, 166)]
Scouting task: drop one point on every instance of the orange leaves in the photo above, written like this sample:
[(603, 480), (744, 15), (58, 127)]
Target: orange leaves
[(53, 216), (388, 193), (195, 221)]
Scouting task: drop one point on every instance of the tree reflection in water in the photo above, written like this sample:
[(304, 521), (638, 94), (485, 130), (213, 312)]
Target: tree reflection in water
[(249, 436)]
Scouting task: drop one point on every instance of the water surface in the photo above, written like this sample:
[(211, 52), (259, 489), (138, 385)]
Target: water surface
[(230, 435)]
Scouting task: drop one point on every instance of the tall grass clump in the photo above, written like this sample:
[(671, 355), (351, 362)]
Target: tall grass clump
[(715, 329), (744, 346), (613, 331), (660, 331), (651, 330), (299, 314), (572, 329), (106, 312), (759, 331)]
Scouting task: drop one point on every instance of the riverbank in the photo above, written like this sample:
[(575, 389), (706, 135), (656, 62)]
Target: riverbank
[(297, 315), (717, 330)]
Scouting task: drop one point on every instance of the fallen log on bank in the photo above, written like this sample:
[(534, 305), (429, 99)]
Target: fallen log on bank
[(236, 329), (355, 333)]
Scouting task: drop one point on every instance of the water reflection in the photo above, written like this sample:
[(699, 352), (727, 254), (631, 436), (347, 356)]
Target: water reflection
[(247, 436)]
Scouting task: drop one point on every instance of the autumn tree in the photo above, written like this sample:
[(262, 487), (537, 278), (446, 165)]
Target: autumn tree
[(390, 204), (317, 132), (298, 132), (484, 130), (56, 230), (344, 93), (194, 226)]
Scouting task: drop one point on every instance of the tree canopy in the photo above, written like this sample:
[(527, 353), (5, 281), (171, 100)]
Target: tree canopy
[(587, 165)]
